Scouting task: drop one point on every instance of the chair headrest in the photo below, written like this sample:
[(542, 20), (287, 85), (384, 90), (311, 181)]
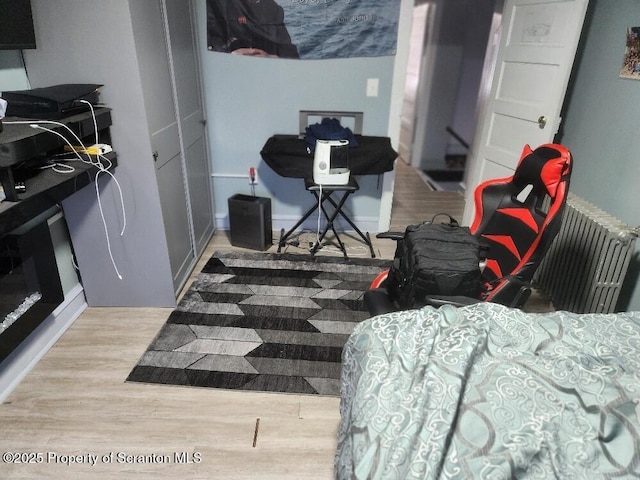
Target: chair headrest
[(544, 167)]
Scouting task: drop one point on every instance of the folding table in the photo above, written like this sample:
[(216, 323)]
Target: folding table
[(322, 194), (288, 156)]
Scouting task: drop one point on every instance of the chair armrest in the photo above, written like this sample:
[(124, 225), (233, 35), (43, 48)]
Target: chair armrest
[(391, 235)]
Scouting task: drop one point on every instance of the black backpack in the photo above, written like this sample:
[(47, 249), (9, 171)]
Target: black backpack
[(435, 259)]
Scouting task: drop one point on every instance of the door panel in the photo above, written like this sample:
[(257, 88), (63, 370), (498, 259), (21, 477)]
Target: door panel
[(156, 59), (165, 143), (192, 128), (534, 60), (152, 61), (190, 110), (199, 193), (526, 84), (509, 134), (175, 216), (541, 23), (495, 170)]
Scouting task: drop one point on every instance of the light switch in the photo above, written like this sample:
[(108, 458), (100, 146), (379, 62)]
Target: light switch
[(372, 87)]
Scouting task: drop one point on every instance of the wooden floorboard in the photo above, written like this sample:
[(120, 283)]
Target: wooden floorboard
[(76, 403), (415, 202)]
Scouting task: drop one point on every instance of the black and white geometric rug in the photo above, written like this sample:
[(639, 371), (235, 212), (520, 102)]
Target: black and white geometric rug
[(258, 321)]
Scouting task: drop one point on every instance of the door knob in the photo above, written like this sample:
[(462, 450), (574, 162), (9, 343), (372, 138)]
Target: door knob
[(542, 121), (155, 156)]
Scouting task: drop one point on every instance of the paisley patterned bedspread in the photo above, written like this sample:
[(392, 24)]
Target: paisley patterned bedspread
[(488, 392)]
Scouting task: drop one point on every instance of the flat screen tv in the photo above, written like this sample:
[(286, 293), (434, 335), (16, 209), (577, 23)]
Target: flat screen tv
[(16, 25)]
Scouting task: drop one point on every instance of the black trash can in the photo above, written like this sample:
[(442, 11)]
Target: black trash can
[(250, 222)]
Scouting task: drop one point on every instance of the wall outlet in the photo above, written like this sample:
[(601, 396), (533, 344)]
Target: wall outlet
[(372, 87)]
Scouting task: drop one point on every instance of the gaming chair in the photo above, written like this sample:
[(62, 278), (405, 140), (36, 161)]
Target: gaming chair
[(516, 219)]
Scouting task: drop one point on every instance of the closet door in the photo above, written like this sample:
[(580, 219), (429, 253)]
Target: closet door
[(183, 55), (164, 130)]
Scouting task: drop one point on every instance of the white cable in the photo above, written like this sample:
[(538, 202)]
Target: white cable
[(98, 164), (93, 116), (40, 127), (104, 224), (39, 123), (319, 211), (61, 168), (306, 237), (102, 167), (124, 213)]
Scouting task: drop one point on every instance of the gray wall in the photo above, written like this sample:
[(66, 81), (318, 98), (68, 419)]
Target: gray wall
[(61, 57), (601, 124)]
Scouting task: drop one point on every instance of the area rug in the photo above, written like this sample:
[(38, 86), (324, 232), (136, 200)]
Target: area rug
[(266, 322)]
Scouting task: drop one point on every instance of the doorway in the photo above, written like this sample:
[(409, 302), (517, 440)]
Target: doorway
[(447, 65)]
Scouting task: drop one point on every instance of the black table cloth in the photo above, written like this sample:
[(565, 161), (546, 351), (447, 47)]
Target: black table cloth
[(288, 156)]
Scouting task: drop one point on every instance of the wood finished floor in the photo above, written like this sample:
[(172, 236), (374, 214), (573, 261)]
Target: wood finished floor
[(75, 402)]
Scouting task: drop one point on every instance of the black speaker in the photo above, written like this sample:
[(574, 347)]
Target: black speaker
[(250, 222)]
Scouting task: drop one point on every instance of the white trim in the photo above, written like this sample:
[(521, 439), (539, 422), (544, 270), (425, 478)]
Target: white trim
[(22, 360), (395, 109), (386, 201)]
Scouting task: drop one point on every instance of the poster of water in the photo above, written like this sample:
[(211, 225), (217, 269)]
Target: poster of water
[(306, 29)]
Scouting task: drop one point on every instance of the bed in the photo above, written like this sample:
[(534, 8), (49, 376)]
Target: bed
[(490, 392)]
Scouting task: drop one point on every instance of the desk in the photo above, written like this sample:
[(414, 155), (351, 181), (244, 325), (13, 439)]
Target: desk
[(288, 156), (22, 150), (20, 143), (46, 190)]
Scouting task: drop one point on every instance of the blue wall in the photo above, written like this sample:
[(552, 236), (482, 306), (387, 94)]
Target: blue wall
[(250, 99), (601, 124)]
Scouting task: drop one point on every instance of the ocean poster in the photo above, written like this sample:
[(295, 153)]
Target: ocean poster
[(306, 29)]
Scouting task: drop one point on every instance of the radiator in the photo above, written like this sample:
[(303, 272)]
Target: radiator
[(587, 262)]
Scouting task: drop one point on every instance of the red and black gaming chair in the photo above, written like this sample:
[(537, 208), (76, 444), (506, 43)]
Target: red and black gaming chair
[(516, 218)]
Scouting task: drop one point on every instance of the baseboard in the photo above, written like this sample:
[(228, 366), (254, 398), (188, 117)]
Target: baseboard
[(278, 222), (22, 360)]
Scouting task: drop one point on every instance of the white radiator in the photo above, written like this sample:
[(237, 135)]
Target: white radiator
[(584, 269)]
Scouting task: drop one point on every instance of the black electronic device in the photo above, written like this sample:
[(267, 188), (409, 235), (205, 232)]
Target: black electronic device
[(16, 25), (52, 102), (250, 222)]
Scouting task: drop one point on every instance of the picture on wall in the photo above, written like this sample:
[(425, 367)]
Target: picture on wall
[(631, 63), (304, 29)]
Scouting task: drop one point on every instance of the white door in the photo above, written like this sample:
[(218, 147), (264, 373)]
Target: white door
[(537, 47)]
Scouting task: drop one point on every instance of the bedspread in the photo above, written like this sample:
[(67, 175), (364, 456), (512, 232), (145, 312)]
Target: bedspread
[(490, 392)]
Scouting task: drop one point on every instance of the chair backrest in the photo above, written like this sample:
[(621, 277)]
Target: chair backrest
[(518, 217)]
